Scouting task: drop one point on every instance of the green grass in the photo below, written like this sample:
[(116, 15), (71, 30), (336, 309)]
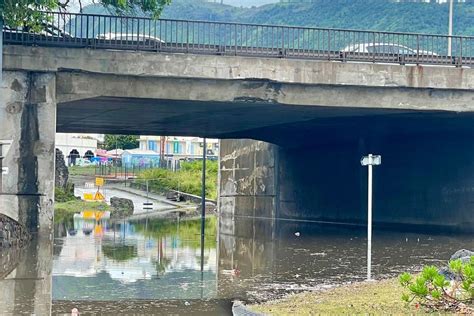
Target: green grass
[(187, 179), (81, 171), (365, 298), (64, 211)]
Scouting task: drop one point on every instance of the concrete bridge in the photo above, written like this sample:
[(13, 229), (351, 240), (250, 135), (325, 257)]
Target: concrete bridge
[(292, 130)]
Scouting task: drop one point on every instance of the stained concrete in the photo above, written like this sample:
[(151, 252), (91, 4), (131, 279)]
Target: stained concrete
[(301, 71), (27, 117)]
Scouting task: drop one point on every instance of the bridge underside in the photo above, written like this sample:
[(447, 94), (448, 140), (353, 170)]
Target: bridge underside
[(284, 125), (290, 148)]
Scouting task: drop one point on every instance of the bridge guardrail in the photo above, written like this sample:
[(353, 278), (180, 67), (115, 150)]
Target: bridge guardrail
[(223, 38)]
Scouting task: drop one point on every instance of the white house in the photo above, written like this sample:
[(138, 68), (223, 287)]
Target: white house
[(76, 146)]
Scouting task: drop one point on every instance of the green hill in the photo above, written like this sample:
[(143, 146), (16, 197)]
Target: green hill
[(382, 15)]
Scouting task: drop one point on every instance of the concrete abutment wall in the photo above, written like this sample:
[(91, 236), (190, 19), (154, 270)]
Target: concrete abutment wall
[(424, 182), (28, 122)]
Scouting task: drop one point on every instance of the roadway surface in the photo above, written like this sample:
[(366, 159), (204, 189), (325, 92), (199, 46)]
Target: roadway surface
[(159, 203)]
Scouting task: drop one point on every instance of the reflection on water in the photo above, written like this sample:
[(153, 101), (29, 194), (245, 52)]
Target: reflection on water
[(154, 266), (134, 260)]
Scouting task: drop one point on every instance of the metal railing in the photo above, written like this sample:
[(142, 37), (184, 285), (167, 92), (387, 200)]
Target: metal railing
[(201, 37)]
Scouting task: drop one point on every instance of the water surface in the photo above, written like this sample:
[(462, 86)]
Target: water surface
[(154, 266)]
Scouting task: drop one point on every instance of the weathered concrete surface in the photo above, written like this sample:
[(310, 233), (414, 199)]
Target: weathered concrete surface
[(77, 86), (27, 118), (247, 186), (230, 97), (12, 234), (150, 64)]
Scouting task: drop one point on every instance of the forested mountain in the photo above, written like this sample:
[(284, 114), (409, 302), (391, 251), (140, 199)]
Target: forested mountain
[(383, 15)]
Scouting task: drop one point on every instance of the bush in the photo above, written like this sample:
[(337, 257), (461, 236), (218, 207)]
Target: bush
[(64, 195), (187, 179), (435, 292)]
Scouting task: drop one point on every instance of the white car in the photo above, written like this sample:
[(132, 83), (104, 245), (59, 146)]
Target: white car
[(130, 37), (385, 48)]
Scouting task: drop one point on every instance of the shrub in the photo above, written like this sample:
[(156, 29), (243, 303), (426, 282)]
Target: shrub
[(187, 179), (64, 195), (435, 292)]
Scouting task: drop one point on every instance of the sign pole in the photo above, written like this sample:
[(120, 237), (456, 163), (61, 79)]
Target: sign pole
[(369, 221), (370, 161)]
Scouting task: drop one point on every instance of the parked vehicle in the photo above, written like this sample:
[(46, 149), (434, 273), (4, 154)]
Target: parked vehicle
[(47, 29), (385, 48), (146, 39)]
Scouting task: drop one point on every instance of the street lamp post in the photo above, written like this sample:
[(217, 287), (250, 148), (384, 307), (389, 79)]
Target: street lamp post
[(369, 161), (450, 27)]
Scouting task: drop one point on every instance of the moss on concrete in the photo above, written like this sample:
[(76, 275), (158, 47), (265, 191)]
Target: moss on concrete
[(372, 298)]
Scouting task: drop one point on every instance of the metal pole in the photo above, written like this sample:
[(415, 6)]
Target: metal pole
[(147, 198), (450, 27), (203, 201), (1, 52), (369, 221), (115, 160)]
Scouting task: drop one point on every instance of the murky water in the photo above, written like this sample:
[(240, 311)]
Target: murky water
[(154, 266)]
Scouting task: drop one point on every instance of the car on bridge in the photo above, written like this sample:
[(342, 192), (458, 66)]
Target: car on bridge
[(131, 38), (386, 49), (46, 30)]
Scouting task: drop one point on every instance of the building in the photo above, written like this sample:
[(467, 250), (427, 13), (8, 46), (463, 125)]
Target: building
[(180, 148), (138, 158), (75, 146)]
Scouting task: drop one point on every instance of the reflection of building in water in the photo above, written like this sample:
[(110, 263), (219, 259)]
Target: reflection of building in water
[(121, 256)]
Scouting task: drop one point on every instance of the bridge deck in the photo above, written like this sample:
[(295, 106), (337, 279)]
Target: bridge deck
[(238, 39)]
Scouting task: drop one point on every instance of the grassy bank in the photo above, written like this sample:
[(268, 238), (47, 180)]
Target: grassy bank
[(372, 298), (81, 171), (65, 210), (187, 179)]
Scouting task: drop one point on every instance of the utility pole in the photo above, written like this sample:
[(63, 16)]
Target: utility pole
[(450, 27), (370, 160)]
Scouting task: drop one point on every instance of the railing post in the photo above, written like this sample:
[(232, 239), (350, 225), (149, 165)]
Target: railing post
[(87, 30), (235, 41), (283, 42), (417, 49), (187, 36), (329, 45), (460, 53), (373, 51)]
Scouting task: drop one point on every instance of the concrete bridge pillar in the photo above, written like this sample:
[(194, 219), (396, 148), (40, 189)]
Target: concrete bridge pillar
[(28, 123), (247, 188)]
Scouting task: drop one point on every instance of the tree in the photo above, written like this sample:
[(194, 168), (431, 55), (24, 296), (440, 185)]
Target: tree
[(27, 13), (121, 141)]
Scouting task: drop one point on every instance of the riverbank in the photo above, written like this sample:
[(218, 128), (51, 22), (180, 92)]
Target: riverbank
[(372, 298)]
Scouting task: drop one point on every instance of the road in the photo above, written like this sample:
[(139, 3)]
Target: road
[(138, 200)]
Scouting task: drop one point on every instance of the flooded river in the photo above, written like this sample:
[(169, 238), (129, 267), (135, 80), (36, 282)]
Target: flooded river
[(154, 266)]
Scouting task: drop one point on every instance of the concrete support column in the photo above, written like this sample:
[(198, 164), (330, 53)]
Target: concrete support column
[(247, 187), (28, 121)]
